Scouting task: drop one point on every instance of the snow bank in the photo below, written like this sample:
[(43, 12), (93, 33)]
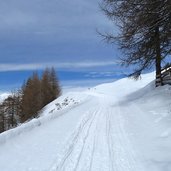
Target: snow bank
[(52, 111), (125, 86), (3, 96), (147, 115)]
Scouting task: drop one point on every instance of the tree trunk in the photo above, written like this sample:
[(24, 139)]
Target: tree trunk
[(159, 81)]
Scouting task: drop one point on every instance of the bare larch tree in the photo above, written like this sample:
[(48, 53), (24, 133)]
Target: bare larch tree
[(144, 32)]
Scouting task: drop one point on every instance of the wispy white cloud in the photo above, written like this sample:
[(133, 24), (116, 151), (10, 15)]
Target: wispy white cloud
[(59, 65), (103, 74)]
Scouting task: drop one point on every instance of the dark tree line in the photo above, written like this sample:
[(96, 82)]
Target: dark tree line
[(10, 110), (145, 32), (27, 102)]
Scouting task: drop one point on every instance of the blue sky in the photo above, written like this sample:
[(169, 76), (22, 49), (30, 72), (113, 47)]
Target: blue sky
[(36, 34)]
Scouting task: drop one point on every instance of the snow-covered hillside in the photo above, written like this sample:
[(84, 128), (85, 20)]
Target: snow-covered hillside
[(3, 96), (120, 126)]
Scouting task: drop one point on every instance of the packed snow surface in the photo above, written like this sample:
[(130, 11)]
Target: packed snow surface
[(120, 126)]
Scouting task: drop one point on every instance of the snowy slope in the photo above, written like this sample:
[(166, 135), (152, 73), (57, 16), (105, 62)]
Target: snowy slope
[(3, 96), (120, 126)]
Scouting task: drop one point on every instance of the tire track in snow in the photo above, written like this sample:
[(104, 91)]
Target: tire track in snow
[(71, 141), (124, 154), (85, 160), (101, 159), (80, 136), (98, 137), (99, 143), (109, 139)]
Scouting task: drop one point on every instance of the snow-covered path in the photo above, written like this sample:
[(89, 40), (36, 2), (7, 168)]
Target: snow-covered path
[(102, 132), (94, 140), (99, 143)]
